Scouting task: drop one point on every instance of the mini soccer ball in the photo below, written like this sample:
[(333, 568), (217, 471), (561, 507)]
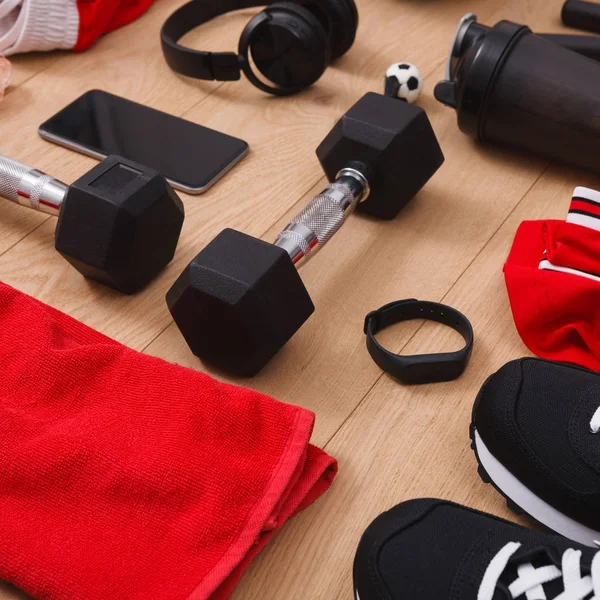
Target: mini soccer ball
[(404, 81)]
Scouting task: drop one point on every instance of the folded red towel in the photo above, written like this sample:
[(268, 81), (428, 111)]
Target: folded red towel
[(123, 477)]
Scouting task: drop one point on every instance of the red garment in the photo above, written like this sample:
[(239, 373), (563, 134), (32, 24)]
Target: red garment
[(42, 25), (124, 477), (557, 314), (97, 17)]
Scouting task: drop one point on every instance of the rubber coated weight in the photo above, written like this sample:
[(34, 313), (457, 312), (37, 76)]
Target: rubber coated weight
[(238, 302), (119, 224), (397, 144)]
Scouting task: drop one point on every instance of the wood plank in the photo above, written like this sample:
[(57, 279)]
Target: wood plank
[(27, 66), (392, 442), (407, 442), (283, 141), (411, 442), (127, 62), (135, 70), (419, 254)]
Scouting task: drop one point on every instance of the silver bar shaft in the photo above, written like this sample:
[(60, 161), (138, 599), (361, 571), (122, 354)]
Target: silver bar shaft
[(29, 187), (323, 216)]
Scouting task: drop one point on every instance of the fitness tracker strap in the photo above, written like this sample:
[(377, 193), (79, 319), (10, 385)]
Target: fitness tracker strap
[(222, 66), (425, 368)]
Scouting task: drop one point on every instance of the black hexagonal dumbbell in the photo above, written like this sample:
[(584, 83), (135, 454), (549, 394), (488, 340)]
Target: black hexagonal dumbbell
[(119, 224), (241, 299)]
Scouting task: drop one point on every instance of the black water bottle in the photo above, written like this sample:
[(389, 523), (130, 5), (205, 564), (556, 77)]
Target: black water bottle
[(511, 86)]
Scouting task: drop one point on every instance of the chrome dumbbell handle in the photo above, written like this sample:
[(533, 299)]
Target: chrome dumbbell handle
[(323, 216), (29, 187)]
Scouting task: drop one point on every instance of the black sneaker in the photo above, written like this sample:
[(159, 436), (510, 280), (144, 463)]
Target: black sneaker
[(436, 550), (535, 432)]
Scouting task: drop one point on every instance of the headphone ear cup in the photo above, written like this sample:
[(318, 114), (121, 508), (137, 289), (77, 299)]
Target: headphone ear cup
[(290, 48), (343, 17)]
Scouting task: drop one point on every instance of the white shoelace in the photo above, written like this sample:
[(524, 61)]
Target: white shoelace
[(530, 580), (595, 422)]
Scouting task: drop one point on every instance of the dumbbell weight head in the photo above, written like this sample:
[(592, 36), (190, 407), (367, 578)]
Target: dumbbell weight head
[(119, 224), (238, 302), (399, 147)]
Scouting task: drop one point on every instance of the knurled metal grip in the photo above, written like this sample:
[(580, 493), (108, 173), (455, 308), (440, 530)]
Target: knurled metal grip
[(29, 187), (322, 217)]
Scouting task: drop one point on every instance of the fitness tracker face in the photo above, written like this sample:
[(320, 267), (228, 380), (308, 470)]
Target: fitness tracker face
[(425, 368)]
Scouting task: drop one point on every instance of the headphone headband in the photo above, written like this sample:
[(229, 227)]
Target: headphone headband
[(222, 66), (284, 49)]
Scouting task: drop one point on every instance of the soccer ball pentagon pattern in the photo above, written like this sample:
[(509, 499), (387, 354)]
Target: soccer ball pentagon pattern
[(404, 81)]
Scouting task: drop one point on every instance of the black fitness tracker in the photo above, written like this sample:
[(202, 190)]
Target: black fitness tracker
[(290, 43), (425, 368)]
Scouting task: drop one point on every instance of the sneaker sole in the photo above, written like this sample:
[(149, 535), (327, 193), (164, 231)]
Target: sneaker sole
[(522, 500)]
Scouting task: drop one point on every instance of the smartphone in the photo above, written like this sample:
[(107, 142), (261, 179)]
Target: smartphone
[(191, 157)]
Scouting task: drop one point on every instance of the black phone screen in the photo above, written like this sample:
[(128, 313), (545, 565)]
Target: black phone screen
[(187, 154)]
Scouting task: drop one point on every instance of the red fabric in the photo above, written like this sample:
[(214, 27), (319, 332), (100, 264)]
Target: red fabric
[(573, 246), (557, 314), (587, 207), (123, 477), (97, 17)]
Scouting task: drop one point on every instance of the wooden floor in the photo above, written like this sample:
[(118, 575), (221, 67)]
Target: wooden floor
[(393, 442)]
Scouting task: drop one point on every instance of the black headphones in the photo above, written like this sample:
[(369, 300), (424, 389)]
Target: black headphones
[(291, 42)]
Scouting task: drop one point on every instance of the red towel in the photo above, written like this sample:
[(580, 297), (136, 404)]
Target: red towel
[(124, 477)]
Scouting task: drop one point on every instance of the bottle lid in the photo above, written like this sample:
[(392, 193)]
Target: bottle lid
[(476, 58)]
